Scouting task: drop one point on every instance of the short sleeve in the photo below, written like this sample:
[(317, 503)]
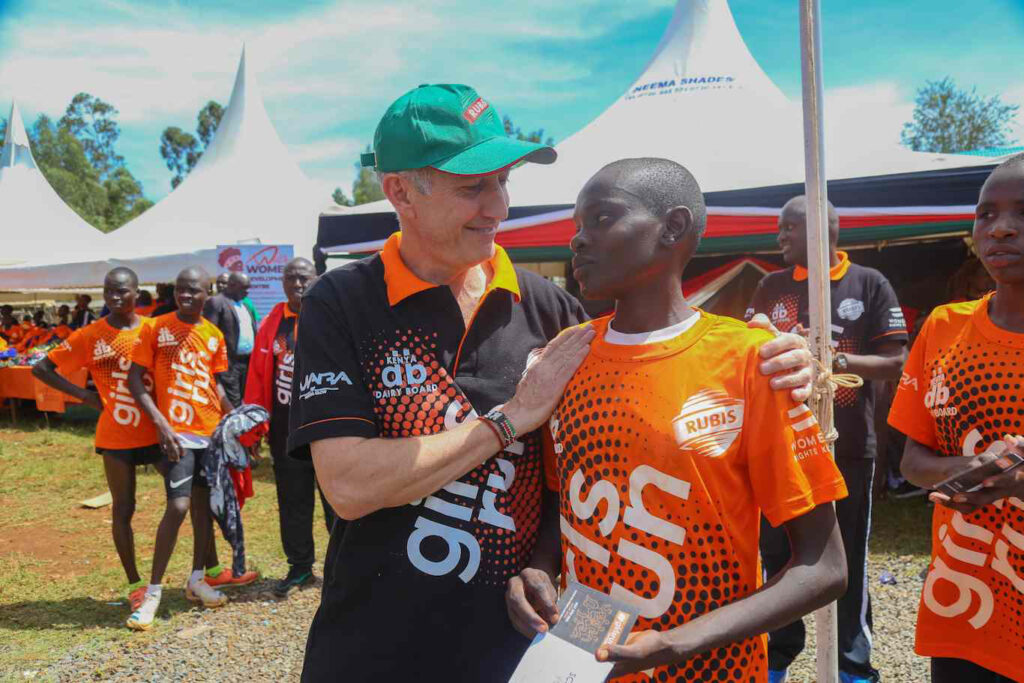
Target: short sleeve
[(329, 397), (791, 469), (220, 356), (887, 322), (145, 349), (908, 412), (72, 353)]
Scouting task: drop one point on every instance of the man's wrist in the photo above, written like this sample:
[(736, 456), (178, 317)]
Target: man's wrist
[(515, 416)]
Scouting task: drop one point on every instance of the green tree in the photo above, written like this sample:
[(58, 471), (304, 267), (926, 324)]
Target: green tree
[(94, 123), (535, 136), (340, 198), (125, 200), (62, 159), (181, 150), (366, 189), (948, 119), (208, 120)]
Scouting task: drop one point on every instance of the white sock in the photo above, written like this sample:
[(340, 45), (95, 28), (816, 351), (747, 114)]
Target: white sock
[(155, 589), (147, 611), (197, 576)]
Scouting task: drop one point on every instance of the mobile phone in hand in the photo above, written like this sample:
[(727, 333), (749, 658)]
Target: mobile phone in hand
[(970, 480)]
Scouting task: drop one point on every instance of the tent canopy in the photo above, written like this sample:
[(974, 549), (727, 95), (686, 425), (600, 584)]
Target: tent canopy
[(245, 189), (34, 220), (704, 101)]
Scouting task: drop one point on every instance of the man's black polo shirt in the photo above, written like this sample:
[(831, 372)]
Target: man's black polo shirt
[(865, 313), (416, 593)]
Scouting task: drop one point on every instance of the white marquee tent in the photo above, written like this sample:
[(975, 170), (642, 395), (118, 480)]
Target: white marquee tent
[(702, 100), (34, 220), (245, 189)]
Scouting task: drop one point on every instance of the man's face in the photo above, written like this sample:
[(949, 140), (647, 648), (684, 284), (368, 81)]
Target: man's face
[(616, 246), (222, 282), (190, 292), (238, 287), (63, 313), (119, 294), (999, 225), (297, 279), (459, 217), (792, 237)]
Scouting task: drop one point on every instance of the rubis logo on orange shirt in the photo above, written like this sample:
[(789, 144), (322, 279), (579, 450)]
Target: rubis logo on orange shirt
[(709, 423)]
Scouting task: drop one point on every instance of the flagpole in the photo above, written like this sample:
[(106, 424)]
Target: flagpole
[(820, 304)]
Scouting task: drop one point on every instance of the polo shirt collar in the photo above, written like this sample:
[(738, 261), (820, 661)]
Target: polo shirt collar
[(288, 313), (402, 282), (836, 272)]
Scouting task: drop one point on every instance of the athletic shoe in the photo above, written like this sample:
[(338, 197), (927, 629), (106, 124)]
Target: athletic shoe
[(226, 579), (297, 577), (201, 592), (142, 618), (136, 596), (907, 490), (776, 676)]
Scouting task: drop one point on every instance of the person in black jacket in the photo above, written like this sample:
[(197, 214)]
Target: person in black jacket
[(238, 324)]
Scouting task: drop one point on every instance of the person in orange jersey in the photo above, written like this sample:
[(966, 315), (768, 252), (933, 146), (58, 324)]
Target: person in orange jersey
[(960, 403), (125, 437), (184, 352), (667, 447)]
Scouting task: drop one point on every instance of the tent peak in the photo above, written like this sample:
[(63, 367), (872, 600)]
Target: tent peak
[(16, 150)]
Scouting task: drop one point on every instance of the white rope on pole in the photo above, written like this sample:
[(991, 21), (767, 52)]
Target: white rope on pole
[(820, 305)]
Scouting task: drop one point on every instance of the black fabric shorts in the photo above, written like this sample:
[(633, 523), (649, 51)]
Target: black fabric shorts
[(143, 455), (181, 476)]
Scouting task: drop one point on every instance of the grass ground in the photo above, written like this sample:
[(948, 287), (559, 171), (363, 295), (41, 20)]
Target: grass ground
[(61, 583), (62, 586)]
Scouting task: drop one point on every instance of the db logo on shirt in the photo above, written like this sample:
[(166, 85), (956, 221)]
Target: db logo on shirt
[(709, 423)]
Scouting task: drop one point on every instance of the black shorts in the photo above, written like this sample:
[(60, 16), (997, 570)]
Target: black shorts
[(181, 476), (143, 455)]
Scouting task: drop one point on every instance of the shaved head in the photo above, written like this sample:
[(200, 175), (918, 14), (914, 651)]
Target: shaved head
[(237, 287), (299, 263), (194, 273), (120, 273), (661, 185), (798, 205)]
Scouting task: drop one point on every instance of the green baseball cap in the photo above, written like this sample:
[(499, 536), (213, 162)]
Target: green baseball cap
[(450, 128)]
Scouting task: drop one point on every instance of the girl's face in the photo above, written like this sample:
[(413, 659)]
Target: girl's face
[(999, 225)]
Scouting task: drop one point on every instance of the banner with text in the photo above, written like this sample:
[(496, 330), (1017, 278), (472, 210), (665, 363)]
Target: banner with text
[(264, 264)]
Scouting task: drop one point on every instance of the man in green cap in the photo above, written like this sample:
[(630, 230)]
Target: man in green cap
[(413, 392)]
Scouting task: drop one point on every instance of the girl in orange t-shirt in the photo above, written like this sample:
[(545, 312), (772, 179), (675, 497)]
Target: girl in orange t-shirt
[(959, 403)]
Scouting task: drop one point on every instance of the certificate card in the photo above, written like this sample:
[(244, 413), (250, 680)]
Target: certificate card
[(565, 654)]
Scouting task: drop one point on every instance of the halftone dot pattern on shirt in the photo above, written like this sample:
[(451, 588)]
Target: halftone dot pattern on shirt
[(962, 390), (602, 418), (107, 352), (414, 395), (185, 360)]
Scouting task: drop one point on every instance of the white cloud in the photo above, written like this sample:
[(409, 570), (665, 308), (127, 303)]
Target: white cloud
[(872, 113)]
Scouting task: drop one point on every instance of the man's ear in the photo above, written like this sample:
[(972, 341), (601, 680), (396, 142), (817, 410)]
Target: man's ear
[(679, 226), (397, 190)]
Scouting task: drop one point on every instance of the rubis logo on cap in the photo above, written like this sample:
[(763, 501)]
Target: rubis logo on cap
[(473, 111)]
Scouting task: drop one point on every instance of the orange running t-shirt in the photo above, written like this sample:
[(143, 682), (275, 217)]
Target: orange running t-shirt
[(665, 453), (960, 392), (107, 353), (184, 359)]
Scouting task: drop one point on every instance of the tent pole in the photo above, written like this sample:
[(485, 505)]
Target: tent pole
[(820, 304)]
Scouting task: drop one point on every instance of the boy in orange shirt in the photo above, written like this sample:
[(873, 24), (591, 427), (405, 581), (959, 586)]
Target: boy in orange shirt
[(124, 436), (183, 352), (959, 403), (667, 447)]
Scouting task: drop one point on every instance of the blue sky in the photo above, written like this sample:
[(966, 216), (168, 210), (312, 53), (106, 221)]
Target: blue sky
[(328, 69)]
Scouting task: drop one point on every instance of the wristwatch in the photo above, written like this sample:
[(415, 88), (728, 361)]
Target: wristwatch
[(502, 426), (840, 362)]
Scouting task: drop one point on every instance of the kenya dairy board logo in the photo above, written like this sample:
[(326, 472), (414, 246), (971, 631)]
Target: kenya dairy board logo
[(102, 350), (709, 423), (779, 313)]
